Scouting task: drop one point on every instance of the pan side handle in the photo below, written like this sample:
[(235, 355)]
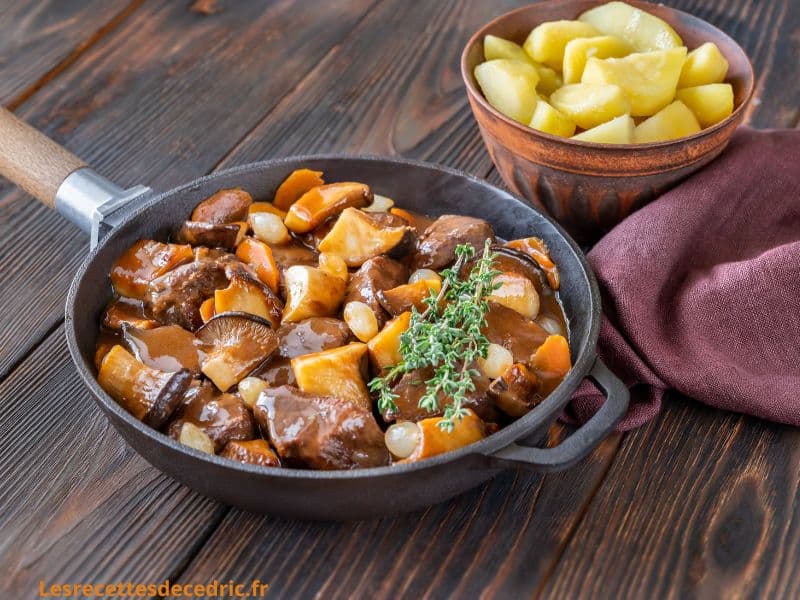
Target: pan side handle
[(583, 440), (58, 178)]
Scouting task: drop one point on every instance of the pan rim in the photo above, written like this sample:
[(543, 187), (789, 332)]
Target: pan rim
[(548, 410)]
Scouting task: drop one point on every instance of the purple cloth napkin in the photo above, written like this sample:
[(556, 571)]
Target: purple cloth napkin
[(701, 288)]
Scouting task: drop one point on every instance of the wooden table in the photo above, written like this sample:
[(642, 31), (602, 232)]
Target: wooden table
[(696, 503)]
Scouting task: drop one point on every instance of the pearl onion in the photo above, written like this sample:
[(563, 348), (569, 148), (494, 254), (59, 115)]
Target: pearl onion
[(402, 438), (497, 360)]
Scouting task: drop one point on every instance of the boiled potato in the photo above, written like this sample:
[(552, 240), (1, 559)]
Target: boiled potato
[(311, 292), (672, 122), (579, 50), (509, 86), (549, 80), (496, 47), (705, 64), (615, 131), (552, 121), (546, 43), (335, 372), (589, 105), (649, 79), (710, 103), (641, 30)]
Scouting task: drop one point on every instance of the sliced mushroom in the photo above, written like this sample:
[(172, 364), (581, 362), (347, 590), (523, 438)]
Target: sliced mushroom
[(320, 432), (311, 292), (142, 263), (322, 202), (253, 452), (515, 391), (226, 206), (148, 394), (259, 256), (436, 247), (295, 185), (223, 417), (245, 294), (403, 297), (167, 348), (536, 248), (434, 440), (214, 235), (376, 274), (336, 372), (357, 236), (235, 344), (124, 311)]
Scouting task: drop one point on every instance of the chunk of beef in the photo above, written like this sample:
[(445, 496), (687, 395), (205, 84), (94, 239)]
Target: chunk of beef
[(254, 452), (515, 391), (312, 335), (176, 296), (376, 275), (436, 247), (226, 206), (508, 328), (320, 432), (411, 387), (224, 417)]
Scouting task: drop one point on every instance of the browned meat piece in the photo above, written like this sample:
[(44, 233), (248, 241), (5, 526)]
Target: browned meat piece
[(320, 432), (214, 235), (226, 206), (508, 328), (375, 275), (223, 417), (254, 452), (276, 372), (312, 335), (515, 391), (411, 387), (437, 246)]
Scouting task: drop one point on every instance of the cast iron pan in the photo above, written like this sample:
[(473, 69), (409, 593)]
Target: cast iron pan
[(41, 167)]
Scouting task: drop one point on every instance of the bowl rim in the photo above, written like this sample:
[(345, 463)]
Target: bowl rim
[(126, 424), (474, 93)]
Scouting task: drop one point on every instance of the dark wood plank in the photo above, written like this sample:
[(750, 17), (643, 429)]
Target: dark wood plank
[(699, 503), (76, 503), (39, 39), (160, 101)]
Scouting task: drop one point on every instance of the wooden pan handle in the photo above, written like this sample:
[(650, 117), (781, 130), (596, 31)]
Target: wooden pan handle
[(32, 160)]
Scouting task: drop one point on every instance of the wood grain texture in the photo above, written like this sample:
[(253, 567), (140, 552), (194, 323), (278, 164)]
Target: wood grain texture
[(698, 504), (75, 500), (149, 104), (33, 161)]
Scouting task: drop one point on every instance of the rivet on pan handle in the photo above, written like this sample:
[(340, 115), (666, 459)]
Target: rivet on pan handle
[(583, 440)]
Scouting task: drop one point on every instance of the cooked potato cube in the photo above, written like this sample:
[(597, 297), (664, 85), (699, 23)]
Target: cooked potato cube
[(496, 47), (546, 43), (705, 64), (311, 292), (579, 50), (356, 237), (552, 121), (194, 437), (710, 103), (589, 105), (509, 86), (649, 79), (335, 372), (672, 122), (517, 293), (384, 348), (616, 131), (549, 80), (250, 389), (640, 29)]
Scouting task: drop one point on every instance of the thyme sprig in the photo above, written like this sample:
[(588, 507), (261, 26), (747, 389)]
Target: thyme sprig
[(447, 337)]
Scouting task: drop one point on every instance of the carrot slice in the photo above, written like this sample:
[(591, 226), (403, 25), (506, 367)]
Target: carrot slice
[(259, 256), (295, 185), (552, 357), (207, 309)]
